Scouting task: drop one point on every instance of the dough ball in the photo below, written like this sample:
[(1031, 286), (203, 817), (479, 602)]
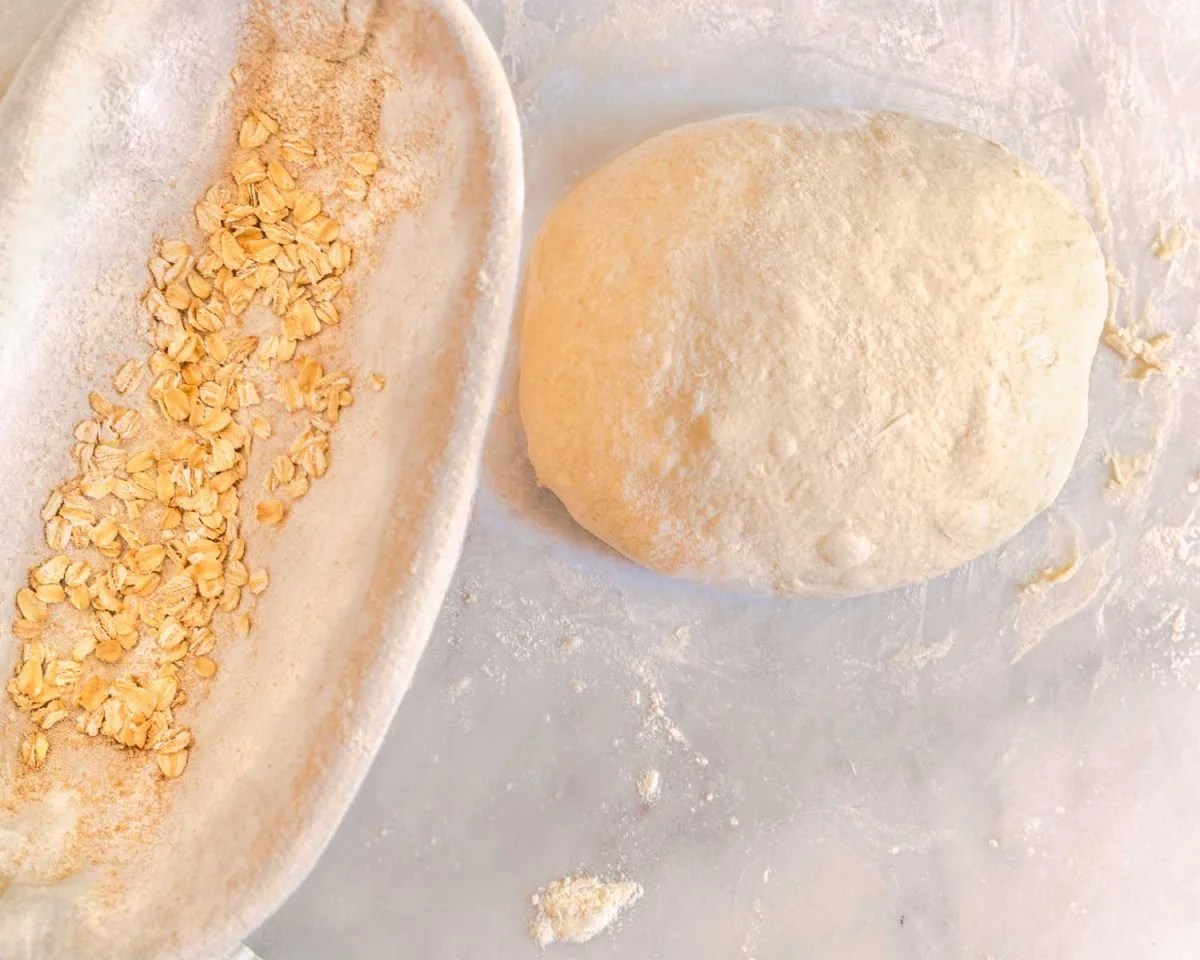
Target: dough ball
[(818, 352)]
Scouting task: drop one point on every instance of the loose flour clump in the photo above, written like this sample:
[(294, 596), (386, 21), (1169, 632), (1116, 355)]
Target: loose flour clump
[(649, 785), (575, 909)]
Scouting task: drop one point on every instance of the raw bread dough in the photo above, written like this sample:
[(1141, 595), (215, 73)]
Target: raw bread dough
[(819, 352)]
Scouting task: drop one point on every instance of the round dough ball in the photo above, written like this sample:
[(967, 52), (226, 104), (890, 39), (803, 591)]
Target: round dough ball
[(818, 352)]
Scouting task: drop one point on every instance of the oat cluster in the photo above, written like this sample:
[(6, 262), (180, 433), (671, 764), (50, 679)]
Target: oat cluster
[(147, 572)]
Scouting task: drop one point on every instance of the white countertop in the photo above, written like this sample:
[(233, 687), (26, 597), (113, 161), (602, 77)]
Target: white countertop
[(933, 773)]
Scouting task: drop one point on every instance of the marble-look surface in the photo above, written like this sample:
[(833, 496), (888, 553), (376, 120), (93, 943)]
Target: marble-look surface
[(884, 778), (943, 772)]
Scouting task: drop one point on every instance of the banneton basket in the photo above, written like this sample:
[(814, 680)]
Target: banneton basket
[(108, 136)]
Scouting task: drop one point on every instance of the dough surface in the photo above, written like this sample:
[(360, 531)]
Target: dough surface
[(818, 352)]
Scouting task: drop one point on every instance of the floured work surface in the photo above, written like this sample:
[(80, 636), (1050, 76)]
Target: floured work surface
[(975, 767), (253, 311)]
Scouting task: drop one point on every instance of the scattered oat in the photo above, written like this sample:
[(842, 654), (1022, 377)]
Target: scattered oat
[(172, 765), (34, 748), (269, 512), (378, 382), (145, 540), (307, 207), (128, 376), (365, 164), (297, 150), (258, 582), (355, 188), (256, 130)]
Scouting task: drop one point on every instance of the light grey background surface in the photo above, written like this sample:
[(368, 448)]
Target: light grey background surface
[(941, 772)]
